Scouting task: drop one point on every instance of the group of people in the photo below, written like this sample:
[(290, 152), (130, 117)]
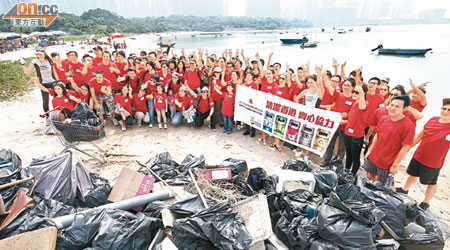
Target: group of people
[(199, 87)]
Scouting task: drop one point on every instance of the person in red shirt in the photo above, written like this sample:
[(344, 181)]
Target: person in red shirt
[(282, 91), (429, 157), (228, 71), (89, 70), (249, 83), (175, 83), (84, 92), (354, 129), (124, 110), (61, 97), (101, 92), (227, 108), (140, 106), (384, 92), (160, 102), (73, 68), (395, 135), (164, 76), (192, 77), (121, 64), (131, 79), (181, 69), (418, 98), (109, 69), (205, 106), (342, 102), (151, 89), (58, 68), (184, 108), (215, 82), (98, 51), (374, 100)]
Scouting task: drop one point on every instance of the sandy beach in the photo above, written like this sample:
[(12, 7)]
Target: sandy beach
[(24, 132)]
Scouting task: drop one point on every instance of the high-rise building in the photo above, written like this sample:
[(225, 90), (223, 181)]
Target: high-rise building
[(263, 8)]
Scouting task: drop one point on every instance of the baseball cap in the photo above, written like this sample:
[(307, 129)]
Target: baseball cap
[(40, 50), (205, 88), (175, 74), (183, 89), (132, 54), (385, 79), (445, 101), (217, 70), (98, 47)]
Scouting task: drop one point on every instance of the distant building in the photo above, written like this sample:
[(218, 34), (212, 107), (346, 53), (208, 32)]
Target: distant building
[(263, 8)]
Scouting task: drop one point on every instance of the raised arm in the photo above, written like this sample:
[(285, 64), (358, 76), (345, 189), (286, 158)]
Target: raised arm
[(28, 70), (36, 81), (319, 83), (362, 100), (335, 66), (344, 77), (260, 66), (419, 92), (268, 60)]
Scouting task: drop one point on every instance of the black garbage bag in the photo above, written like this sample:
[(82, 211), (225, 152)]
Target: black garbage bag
[(191, 161), (237, 166), (432, 238), (321, 244), (85, 114), (62, 177), (336, 164), (348, 192), (387, 244), (11, 163), (37, 217), (188, 206), (326, 181), (98, 196), (340, 227), (389, 202), (345, 177), (261, 182), (216, 227), (297, 165), (242, 185), (153, 209), (109, 229), (298, 233)]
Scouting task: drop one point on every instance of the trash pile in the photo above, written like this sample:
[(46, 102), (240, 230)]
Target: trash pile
[(192, 205)]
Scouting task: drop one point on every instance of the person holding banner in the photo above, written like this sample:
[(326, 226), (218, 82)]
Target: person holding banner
[(249, 83), (283, 91)]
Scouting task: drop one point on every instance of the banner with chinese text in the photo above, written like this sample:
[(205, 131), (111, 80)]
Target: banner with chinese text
[(307, 128)]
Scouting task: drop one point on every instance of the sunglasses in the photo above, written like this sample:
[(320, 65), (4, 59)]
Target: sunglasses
[(383, 89), (282, 78), (355, 92), (394, 95), (445, 109), (204, 91)]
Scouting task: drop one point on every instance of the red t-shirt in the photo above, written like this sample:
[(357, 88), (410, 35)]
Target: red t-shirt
[(75, 69), (141, 69), (63, 102), (327, 99), (186, 100), (380, 112), (140, 103), (175, 87), (165, 80), (419, 108), (214, 95), (356, 121), (435, 143), (111, 76), (227, 76), (228, 103), (84, 98), (283, 92), (342, 104), (123, 67), (61, 72), (391, 136), (296, 89), (133, 83), (374, 102), (98, 86), (251, 85), (266, 86), (193, 79), (90, 74), (160, 100), (97, 60), (150, 88), (204, 105), (125, 102)]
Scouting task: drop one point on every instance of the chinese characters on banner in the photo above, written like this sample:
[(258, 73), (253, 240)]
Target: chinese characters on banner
[(308, 128)]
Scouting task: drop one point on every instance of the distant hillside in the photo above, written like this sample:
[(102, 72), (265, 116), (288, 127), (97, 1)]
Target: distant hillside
[(100, 21)]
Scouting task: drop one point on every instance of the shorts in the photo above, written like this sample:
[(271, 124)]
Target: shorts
[(161, 110), (107, 101), (128, 120), (373, 169), (427, 175)]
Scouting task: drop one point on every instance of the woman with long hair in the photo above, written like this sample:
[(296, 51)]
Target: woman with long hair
[(62, 98)]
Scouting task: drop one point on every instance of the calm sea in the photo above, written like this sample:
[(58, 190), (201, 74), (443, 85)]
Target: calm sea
[(355, 48)]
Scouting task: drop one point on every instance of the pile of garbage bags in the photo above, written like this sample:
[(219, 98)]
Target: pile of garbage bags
[(341, 211)]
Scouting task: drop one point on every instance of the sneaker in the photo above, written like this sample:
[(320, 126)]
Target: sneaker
[(165, 125), (139, 123), (252, 134), (229, 133), (214, 129), (424, 206), (401, 190), (124, 127), (150, 125), (246, 133), (191, 125), (115, 122), (159, 125), (224, 131), (238, 127), (47, 121)]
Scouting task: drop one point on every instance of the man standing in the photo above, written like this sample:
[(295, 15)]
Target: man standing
[(395, 135), (429, 157)]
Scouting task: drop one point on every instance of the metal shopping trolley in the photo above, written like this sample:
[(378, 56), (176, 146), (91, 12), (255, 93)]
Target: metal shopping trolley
[(72, 132)]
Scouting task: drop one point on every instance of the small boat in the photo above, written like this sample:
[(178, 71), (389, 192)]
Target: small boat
[(210, 33), (323, 30), (368, 29), (311, 44), (341, 31), (294, 40), (165, 45), (401, 52), (193, 35), (350, 30)]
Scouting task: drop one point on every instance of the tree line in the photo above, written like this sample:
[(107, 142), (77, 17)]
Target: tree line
[(100, 21)]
